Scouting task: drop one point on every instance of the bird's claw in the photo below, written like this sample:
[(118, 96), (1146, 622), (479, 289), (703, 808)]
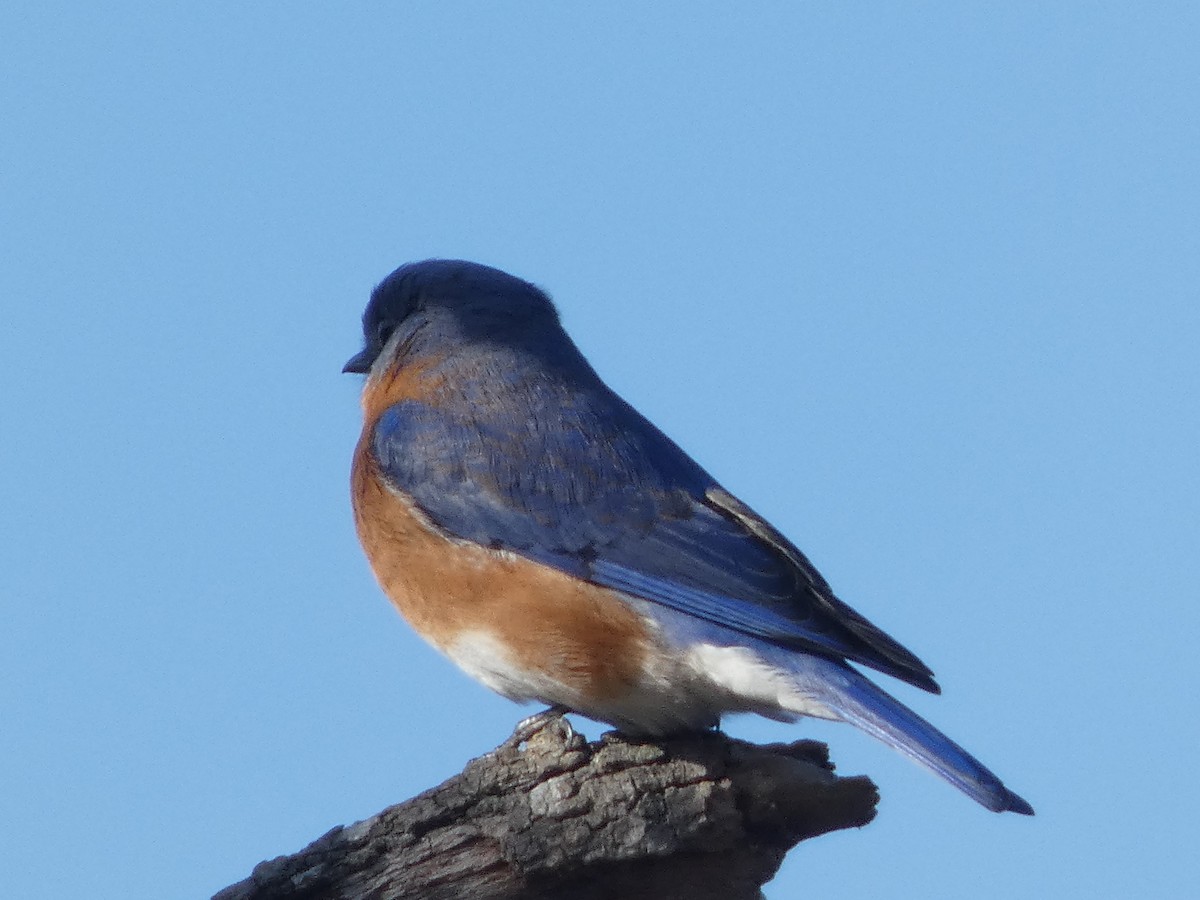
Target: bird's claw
[(529, 726)]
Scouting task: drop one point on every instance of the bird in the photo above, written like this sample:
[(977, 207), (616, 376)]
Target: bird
[(558, 547)]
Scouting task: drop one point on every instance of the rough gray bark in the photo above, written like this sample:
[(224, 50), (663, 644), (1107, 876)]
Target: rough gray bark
[(548, 815)]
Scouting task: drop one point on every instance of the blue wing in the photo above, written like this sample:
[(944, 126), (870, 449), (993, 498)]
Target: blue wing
[(582, 482)]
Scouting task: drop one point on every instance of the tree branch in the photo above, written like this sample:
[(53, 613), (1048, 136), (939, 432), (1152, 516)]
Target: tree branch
[(548, 815)]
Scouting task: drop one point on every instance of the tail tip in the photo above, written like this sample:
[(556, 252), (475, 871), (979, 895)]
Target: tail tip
[(1014, 803)]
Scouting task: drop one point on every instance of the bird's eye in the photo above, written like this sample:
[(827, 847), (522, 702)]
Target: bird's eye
[(383, 331)]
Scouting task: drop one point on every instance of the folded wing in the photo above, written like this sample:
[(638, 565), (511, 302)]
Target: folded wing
[(590, 487)]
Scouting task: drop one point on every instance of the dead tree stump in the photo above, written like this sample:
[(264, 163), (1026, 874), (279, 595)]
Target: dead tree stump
[(548, 815)]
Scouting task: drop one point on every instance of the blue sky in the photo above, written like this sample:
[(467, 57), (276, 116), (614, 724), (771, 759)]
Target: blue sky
[(917, 281)]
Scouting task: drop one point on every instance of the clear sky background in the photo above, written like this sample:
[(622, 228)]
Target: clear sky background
[(919, 281)]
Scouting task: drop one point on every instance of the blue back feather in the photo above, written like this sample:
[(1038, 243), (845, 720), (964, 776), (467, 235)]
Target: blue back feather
[(529, 451)]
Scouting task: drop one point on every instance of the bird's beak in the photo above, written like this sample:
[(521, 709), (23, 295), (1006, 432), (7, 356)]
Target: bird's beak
[(359, 363)]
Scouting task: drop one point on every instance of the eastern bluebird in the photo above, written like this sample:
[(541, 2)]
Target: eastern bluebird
[(558, 547)]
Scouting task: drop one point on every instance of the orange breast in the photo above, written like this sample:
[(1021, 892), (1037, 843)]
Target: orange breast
[(560, 629)]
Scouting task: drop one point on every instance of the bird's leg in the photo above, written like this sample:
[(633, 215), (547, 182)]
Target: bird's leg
[(531, 725)]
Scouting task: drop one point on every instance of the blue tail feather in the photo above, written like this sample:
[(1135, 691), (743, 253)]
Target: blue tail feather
[(865, 705)]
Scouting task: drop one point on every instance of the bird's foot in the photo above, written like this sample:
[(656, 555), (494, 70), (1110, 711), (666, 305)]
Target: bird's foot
[(547, 718)]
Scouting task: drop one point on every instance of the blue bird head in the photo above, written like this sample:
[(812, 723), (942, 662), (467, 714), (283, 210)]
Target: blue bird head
[(451, 298)]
